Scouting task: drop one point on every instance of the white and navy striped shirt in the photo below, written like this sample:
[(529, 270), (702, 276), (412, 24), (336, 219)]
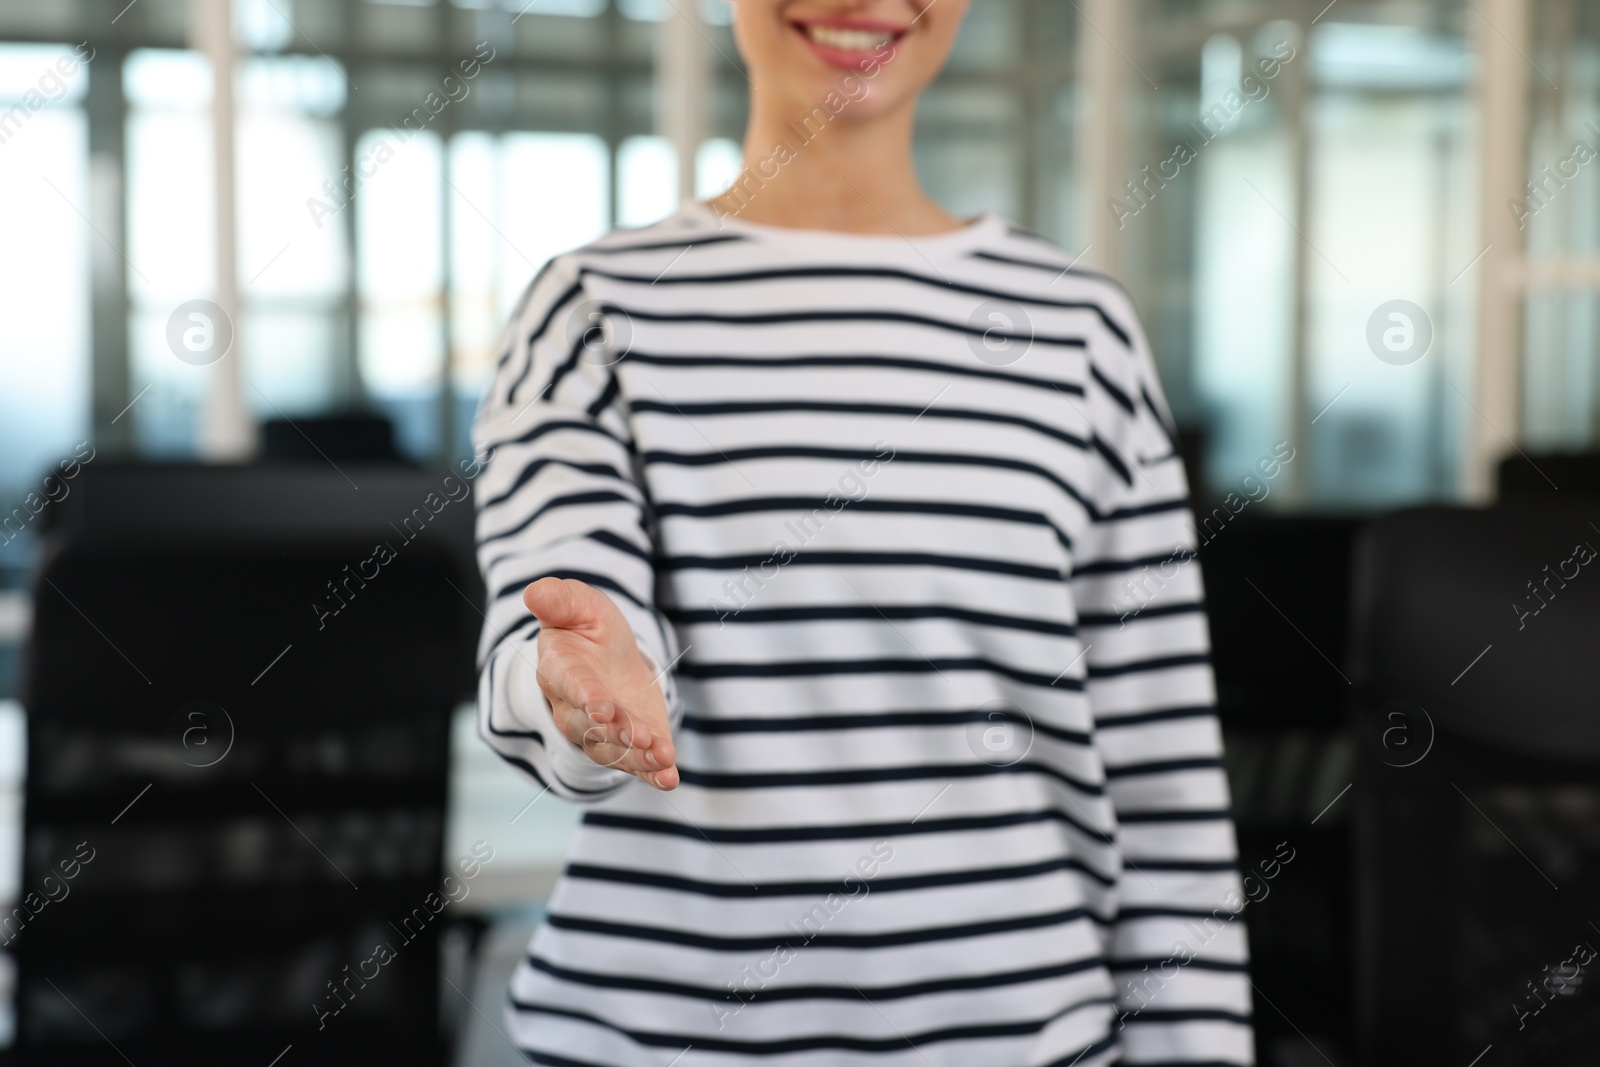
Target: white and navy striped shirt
[(946, 800)]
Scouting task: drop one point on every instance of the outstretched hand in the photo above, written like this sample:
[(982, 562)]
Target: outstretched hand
[(601, 688)]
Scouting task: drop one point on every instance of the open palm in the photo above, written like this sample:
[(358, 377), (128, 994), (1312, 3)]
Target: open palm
[(601, 688)]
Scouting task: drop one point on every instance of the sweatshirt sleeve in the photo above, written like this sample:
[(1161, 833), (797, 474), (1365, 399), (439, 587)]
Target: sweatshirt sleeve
[(558, 494), (1176, 946)]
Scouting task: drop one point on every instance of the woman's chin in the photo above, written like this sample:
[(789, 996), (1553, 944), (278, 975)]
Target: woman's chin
[(847, 98)]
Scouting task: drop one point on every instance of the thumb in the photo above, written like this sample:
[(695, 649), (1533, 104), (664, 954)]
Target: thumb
[(565, 603)]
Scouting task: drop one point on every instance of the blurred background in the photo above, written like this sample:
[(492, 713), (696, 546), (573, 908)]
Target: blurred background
[(355, 188)]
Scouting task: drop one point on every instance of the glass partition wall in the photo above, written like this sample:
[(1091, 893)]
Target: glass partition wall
[(1293, 174), (1285, 180), (1558, 212)]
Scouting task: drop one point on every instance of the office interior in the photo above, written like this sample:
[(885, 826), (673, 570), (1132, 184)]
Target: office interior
[(1365, 241)]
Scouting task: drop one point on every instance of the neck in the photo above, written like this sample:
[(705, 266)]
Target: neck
[(810, 169)]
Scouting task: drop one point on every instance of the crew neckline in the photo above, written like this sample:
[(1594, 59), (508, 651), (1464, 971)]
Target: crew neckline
[(974, 232)]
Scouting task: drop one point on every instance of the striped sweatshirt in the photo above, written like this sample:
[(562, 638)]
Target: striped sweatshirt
[(903, 524)]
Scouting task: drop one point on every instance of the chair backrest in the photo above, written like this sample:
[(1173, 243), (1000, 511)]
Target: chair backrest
[(1278, 595), (1548, 476), (1476, 658), (360, 437), (238, 687)]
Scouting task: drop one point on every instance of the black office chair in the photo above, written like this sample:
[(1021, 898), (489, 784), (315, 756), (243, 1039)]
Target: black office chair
[(358, 436), (1278, 593), (1547, 476), (1478, 848), (238, 773)]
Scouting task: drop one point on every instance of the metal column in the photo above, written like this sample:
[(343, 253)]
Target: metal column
[(1500, 32), (1105, 89), (683, 87), (227, 427)]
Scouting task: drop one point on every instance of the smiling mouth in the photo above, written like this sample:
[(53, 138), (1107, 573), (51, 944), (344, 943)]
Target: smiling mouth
[(848, 40)]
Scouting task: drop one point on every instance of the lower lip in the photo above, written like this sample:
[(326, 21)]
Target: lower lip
[(854, 61)]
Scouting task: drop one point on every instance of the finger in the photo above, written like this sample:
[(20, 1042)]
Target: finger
[(605, 711), (571, 721), (632, 729), (599, 747), (603, 742), (628, 732), (621, 727), (572, 681), (603, 750), (565, 603), (625, 728), (660, 770), (592, 737), (660, 753)]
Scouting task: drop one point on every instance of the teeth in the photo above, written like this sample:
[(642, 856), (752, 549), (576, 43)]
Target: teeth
[(848, 40)]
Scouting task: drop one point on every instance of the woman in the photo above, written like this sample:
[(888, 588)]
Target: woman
[(810, 526)]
